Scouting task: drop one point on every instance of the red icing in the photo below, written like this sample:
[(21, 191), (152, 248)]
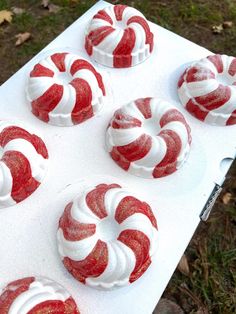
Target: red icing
[(47, 102), (96, 36), (23, 183), (168, 164), (95, 199), (119, 9), (84, 65), (122, 52), (139, 243), (149, 35), (83, 109), (59, 61), (181, 79), (40, 70), (232, 68), (196, 74), (137, 149), (103, 16), (55, 307), (143, 104), (217, 61), (72, 229), (130, 205), (13, 132), (92, 266), (12, 291), (121, 121)]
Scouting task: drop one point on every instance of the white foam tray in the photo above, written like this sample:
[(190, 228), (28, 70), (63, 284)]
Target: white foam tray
[(28, 240)]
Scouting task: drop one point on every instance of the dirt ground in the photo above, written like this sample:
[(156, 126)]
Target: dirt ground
[(209, 286)]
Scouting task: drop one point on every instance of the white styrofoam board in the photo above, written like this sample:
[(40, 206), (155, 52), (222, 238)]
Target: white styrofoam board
[(28, 241)]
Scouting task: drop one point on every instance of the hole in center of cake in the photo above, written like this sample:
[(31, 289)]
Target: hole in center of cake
[(121, 25), (108, 229), (151, 126), (225, 79), (63, 78)]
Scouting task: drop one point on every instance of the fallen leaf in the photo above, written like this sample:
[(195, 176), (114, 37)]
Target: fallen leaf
[(166, 306), (217, 29), (17, 11), (226, 198), (21, 38), (45, 3), (183, 266), (53, 8), (5, 16), (228, 24)]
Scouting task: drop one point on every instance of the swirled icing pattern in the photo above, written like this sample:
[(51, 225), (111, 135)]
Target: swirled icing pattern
[(207, 89), (23, 163), (148, 137), (119, 36), (65, 90), (36, 295), (107, 237)]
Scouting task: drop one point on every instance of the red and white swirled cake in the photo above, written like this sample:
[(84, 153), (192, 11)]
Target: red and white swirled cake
[(23, 163), (107, 237), (119, 36), (36, 295), (64, 89), (148, 137), (207, 89)]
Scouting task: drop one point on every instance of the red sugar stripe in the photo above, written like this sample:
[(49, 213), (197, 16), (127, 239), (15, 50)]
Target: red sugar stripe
[(139, 243), (196, 111), (196, 74), (72, 229), (119, 9), (47, 102), (122, 52), (83, 109), (232, 118), (40, 70), (92, 266), (215, 99), (137, 149), (121, 121), (59, 61), (129, 206), (232, 68), (9, 294), (55, 306), (13, 132), (119, 159), (102, 14), (143, 104), (217, 61), (23, 184), (98, 35), (149, 35), (95, 199), (84, 65)]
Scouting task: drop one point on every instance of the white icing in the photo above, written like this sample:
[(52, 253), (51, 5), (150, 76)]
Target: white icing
[(40, 290), (121, 259)]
